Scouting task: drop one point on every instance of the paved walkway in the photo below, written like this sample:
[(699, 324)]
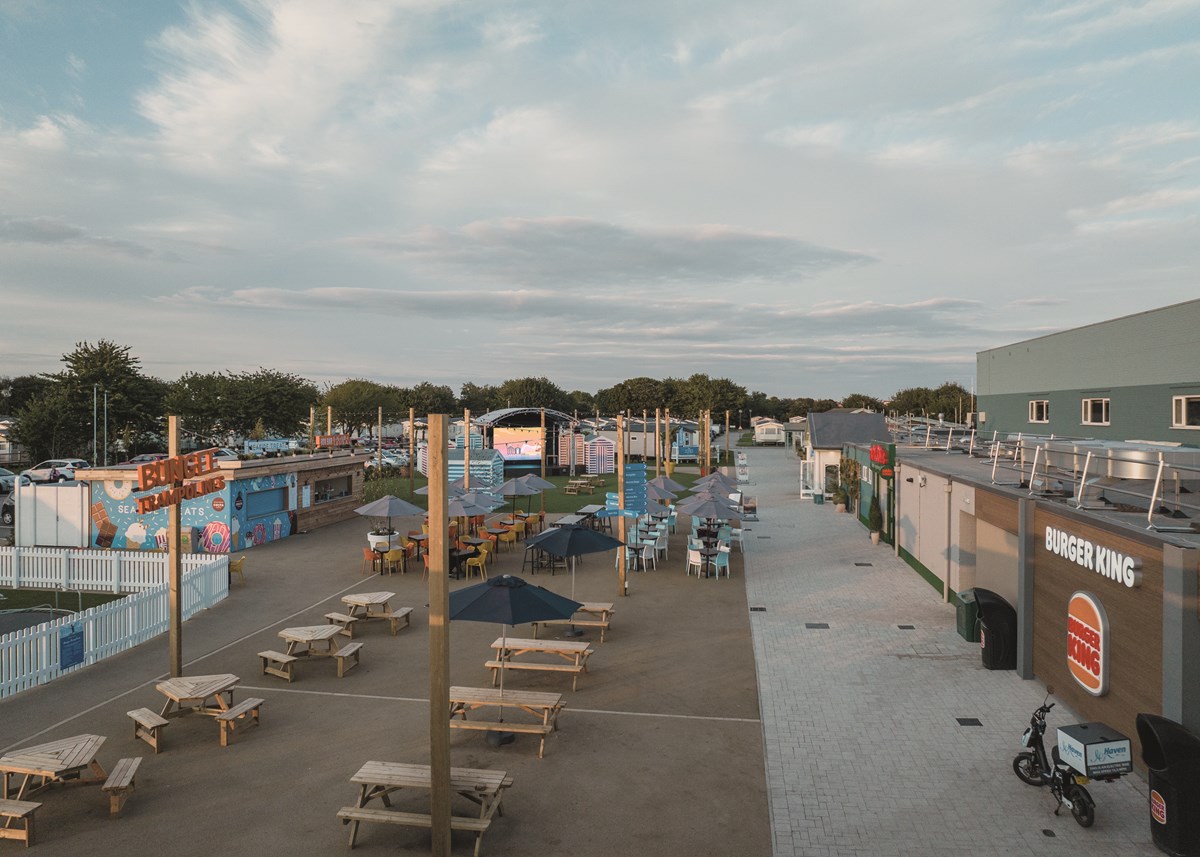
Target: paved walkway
[(864, 754)]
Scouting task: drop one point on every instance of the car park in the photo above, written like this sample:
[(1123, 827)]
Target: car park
[(55, 470)]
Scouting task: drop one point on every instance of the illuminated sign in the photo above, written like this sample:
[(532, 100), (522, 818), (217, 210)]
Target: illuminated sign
[(879, 454), (168, 472), (1087, 643), (334, 441), (518, 444), (1103, 560)]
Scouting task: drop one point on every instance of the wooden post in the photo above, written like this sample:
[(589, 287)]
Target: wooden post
[(644, 433), (412, 449), (466, 451), (329, 419), (175, 607), (312, 427), (657, 443), (439, 639), (726, 437), (542, 495), (379, 444), (622, 552), (667, 440)]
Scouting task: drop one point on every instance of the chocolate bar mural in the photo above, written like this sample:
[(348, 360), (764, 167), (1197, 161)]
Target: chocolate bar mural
[(245, 513)]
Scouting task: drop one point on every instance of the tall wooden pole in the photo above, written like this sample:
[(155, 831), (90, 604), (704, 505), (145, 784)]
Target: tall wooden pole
[(439, 638), (644, 434), (467, 449), (622, 552), (412, 448), (175, 607), (329, 419), (667, 440), (312, 427), (726, 437), (542, 495), (379, 443), (657, 443)]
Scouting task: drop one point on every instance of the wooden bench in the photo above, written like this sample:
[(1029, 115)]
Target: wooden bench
[(22, 811), (245, 712), (277, 663), (574, 669), (397, 617), (571, 489), (146, 725), (602, 624), (345, 620), (542, 729), (120, 784), (345, 654), (352, 815)]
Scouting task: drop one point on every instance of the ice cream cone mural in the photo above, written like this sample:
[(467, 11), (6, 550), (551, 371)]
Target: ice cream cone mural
[(278, 524), (135, 535), (235, 528)]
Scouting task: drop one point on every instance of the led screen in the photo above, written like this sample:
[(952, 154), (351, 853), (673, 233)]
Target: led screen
[(518, 444)]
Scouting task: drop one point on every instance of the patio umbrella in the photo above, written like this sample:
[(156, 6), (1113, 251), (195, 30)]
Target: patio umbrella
[(710, 507), (489, 502), (451, 490), (535, 481), (715, 478), (654, 492), (515, 488), (389, 507), (667, 482), (571, 542), (508, 600)]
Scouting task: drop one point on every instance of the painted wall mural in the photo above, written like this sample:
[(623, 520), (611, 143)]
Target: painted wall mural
[(245, 513)]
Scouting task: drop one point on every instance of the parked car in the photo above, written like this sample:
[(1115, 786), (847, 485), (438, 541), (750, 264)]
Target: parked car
[(390, 459), (225, 454), (8, 510), (146, 458), (55, 470)]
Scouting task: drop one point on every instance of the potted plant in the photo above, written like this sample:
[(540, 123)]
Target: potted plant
[(875, 519), (850, 472), (839, 499), (382, 538)]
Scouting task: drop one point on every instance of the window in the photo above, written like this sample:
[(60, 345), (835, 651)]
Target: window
[(259, 503), (332, 489), (1185, 412), (1039, 411), (1095, 412)]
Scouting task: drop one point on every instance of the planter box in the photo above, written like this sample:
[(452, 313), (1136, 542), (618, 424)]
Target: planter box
[(378, 542)]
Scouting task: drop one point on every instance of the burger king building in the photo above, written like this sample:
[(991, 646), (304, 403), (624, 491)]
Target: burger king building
[(1107, 599)]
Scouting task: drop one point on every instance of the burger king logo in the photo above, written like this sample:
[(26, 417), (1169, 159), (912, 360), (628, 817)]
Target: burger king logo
[(1158, 807), (1087, 643)]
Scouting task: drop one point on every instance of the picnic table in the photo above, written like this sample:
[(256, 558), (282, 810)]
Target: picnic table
[(574, 652), (380, 779), (544, 706), (204, 694), (569, 521), (61, 761), (591, 614), (578, 486), (368, 606), (317, 640)]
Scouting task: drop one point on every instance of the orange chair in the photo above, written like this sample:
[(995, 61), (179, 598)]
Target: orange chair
[(368, 563)]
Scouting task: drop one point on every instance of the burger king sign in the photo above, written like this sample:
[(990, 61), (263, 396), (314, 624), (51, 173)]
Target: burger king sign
[(1087, 642)]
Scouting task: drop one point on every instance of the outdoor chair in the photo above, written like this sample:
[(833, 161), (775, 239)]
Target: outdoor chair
[(509, 537), (735, 537), (425, 563), (648, 555), (479, 563), (235, 567), (394, 559), (486, 552), (721, 560), (672, 520), (631, 559), (660, 545), (694, 560), (368, 562)]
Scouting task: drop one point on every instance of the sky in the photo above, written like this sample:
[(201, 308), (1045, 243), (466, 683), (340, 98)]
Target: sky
[(808, 198)]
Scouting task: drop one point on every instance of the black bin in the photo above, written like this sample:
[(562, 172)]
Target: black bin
[(997, 630), (1172, 754)]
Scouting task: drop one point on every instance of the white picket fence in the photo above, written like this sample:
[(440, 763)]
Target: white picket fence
[(89, 570), (32, 657)]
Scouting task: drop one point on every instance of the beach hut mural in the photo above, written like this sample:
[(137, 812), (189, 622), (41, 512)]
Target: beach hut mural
[(600, 455), (487, 466)]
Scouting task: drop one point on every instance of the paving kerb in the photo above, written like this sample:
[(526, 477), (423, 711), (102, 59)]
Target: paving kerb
[(864, 755), (660, 750)]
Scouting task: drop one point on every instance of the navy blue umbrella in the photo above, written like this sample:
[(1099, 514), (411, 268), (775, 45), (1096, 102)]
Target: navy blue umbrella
[(510, 601), (571, 542)]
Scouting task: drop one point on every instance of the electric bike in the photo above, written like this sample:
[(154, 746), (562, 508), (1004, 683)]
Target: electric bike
[(1065, 783)]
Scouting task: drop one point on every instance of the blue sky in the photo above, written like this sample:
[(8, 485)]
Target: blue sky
[(808, 198)]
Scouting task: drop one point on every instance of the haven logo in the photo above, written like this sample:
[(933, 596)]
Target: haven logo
[(1087, 642)]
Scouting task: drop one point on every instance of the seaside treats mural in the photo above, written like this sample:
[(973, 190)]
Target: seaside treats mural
[(241, 515)]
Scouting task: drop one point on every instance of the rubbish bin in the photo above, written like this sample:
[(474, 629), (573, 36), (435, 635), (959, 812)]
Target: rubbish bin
[(818, 498), (1172, 753), (997, 631), (968, 616)]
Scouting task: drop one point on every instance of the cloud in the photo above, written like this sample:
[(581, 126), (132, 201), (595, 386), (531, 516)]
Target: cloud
[(510, 31), (573, 253), (51, 231)]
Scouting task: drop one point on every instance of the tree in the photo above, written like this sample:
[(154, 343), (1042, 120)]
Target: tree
[(862, 400), (531, 393), (203, 402), (356, 403), (16, 393), (632, 394), (427, 398), (580, 402), (280, 400), (478, 399)]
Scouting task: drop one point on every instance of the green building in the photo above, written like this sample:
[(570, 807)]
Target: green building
[(1131, 378)]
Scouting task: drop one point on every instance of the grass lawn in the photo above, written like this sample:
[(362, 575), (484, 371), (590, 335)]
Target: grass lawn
[(556, 501), (19, 599)]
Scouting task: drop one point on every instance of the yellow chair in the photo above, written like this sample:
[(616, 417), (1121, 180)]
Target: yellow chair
[(519, 528), (479, 563), (235, 567), (394, 559), (509, 538), (486, 552)]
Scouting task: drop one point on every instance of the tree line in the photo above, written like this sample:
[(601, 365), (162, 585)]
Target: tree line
[(55, 414)]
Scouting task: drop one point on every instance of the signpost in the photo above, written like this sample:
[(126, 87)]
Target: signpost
[(70, 645)]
